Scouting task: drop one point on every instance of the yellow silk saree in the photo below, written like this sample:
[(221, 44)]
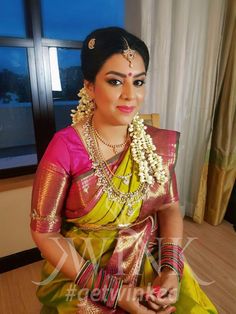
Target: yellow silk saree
[(66, 197)]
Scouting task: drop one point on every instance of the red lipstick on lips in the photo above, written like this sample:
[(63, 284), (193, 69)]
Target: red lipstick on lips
[(126, 109)]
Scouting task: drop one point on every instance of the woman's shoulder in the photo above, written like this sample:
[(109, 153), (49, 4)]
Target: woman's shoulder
[(157, 132), (68, 149), (166, 141), (67, 141), (65, 133), (69, 135)]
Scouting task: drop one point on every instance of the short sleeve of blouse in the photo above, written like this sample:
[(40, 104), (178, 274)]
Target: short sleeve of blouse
[(172, 191), (172, 195), (167, 143), (50, 187)]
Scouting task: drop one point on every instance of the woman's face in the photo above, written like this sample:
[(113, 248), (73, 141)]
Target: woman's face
[(118, 90)]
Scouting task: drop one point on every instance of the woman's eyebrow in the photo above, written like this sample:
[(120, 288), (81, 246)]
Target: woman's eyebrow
[(124, 75)]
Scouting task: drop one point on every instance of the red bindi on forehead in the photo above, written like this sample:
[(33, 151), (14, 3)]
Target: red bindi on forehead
[(130, 74)]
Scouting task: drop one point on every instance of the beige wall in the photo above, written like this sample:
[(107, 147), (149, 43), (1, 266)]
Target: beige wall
[(15, 198)]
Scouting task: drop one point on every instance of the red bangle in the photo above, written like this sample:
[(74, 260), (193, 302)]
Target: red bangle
[(156, 290)]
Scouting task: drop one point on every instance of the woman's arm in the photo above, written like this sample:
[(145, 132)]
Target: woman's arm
[(59, 252), (170, 223), (62, 255)]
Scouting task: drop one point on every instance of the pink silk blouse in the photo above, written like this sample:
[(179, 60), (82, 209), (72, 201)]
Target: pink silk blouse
[(61, 187)]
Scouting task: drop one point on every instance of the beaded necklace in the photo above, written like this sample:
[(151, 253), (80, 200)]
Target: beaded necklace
[(99, 166), (150, 164), (114, 147), (126, 178)]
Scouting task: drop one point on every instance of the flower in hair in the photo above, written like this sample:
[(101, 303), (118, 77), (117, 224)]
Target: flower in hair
[(85, 107)]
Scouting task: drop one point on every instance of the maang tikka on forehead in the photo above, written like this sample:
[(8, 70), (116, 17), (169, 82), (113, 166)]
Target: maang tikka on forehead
[(128, 53)]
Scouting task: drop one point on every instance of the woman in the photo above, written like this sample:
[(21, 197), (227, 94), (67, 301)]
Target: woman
[(105, 210)]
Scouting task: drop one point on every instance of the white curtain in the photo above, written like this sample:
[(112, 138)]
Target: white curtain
[(184, 38)]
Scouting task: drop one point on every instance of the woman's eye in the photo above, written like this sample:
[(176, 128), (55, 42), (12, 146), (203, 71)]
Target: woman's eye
[(114, 82), (139, 82)]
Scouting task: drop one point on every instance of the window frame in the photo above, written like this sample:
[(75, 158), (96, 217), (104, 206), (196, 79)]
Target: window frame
[(40, 80)]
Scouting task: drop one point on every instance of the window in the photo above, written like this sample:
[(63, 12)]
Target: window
[(83, 17), (40, 73), (17, 141), (12, 18), (67, 79)]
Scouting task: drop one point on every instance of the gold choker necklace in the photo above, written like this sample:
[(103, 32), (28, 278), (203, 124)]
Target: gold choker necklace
[(115, 147)]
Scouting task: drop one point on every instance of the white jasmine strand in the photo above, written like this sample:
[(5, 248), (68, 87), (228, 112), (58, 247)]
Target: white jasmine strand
[(85, 107), (144, 153)]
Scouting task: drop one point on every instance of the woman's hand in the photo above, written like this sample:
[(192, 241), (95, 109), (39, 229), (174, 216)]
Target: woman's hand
[(130, 300), (169, 289)]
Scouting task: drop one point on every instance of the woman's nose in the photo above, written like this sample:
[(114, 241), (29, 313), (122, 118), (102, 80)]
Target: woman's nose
[(128, 91)]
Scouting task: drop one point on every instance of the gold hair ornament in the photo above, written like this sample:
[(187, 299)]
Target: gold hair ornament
[(91, 43), (128, 53)]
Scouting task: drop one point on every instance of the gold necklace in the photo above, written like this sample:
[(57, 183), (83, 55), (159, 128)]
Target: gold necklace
[(115, 147), (129, 198), (125, 179)]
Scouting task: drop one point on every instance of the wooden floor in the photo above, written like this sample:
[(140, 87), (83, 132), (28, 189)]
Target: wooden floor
[(211, 255)]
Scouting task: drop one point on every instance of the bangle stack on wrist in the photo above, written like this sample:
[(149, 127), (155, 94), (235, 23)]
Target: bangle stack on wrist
[(86, 272), (172, 258), (109, 286)]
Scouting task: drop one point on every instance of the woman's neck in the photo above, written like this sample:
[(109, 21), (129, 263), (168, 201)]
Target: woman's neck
[(113, 134)]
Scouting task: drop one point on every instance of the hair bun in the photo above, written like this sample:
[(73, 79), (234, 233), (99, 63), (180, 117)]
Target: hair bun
[(105, 42)]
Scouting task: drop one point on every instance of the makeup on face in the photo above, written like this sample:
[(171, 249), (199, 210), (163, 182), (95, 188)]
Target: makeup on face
[(118, 78), (123, 75), (118, 91), (126, 109)]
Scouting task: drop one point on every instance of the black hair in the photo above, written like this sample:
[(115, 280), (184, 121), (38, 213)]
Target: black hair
[(108, 41)]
